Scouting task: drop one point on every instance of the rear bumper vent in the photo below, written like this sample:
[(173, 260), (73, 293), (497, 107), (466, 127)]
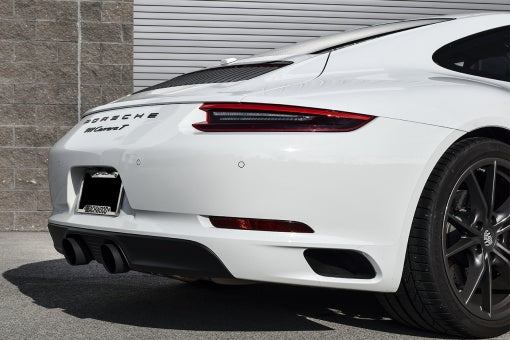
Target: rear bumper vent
[(339, 263), (223, 74)]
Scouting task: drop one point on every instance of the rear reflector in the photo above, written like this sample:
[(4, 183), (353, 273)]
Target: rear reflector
[(249, 117), (258, 224)]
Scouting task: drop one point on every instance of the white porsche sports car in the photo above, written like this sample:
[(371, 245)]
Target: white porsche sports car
[(376, 159)]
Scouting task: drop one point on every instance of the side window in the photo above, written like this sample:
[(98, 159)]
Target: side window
[(485, 54)]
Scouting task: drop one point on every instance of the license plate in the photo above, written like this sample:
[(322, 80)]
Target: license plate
[(100, 193)]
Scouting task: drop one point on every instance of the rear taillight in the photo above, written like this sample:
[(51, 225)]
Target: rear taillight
[(248, 117), (259, 224)]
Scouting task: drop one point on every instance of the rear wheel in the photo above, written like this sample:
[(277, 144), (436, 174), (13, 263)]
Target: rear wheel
[(456, 276)]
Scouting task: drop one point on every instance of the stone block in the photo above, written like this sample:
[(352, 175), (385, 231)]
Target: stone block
[(17, 114), (6, 8), (90, 11), (56, 31), (56, 73), (100, 74), (117, 53), (32, 179), (15, 73), (67, 53), (6, 93), (6, 179), (46, 10), (17, 29), (127, 75), (6, 221), (42, 155), (91, 95), (34, 51), (17, 201), (56, 115), (31, 221), (117, 12), (6, 136), (38, 136), (101, 32), (6, 51), (44, 200), (127, 33), (17, 157), (91, 53), (49, 94)]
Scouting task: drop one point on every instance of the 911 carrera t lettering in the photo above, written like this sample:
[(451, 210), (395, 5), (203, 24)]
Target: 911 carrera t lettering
[(105, 129)]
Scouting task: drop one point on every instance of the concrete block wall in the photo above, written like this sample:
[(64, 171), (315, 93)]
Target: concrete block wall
[(44, 88)]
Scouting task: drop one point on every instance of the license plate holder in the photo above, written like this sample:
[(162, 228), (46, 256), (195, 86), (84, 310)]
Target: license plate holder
[(100, 193)]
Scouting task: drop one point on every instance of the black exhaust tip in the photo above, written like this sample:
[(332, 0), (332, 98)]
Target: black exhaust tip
[(341, 263), (76, 252), (113, 260)]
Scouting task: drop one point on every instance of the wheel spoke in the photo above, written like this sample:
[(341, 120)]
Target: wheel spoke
[(462, 226), (486, 286), (475, 275), (478, 202), (502, 214), (489, 189), (503, 250), (503, 265), (503, 228), (461, 245)]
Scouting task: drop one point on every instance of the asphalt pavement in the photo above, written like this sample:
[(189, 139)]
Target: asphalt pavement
[(42, 297)]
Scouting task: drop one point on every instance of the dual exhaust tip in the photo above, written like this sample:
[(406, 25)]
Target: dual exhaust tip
[(77, 253), (113, 259)]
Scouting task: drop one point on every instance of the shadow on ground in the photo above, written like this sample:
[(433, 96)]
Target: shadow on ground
[(157, 302)]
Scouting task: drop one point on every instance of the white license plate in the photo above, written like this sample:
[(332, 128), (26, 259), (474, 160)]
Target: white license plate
[(100, 193)]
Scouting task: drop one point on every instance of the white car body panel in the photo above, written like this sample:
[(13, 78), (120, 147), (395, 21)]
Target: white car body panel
[(352, 73), (190, 166), (174, 175), (407, 79)]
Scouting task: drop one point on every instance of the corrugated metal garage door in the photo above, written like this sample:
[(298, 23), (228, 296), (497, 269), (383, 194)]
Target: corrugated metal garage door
[(172, 37)]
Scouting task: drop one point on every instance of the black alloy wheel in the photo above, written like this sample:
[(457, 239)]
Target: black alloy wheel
[(456, 276), (476, 239)]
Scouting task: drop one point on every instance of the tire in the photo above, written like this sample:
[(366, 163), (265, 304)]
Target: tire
[(456, 276)]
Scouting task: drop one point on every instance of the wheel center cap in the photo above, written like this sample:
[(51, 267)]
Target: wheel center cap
[(488, 238)]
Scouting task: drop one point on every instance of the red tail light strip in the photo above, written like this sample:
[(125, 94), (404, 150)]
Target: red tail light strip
[(251, 117), (259, 224), (281, 108)]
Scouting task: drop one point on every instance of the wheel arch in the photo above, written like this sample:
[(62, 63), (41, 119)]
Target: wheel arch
[(493, 132), (475, 137)]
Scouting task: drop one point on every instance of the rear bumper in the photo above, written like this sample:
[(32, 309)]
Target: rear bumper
[(358, 191), (156, 255)]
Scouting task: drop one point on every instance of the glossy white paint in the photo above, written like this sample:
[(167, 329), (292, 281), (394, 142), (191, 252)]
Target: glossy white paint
[(418, 89), (357, 190)]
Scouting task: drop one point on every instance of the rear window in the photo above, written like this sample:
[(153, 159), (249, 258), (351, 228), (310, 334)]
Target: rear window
[(485, 54)]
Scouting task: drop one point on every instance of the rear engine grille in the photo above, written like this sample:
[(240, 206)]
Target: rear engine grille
[(224, 74)]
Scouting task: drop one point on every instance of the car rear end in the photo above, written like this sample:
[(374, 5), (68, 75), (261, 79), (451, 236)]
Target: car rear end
[(190, 179), (351, 190)]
